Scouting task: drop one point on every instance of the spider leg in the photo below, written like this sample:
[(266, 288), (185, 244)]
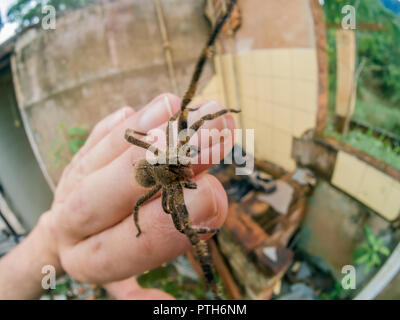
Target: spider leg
[(173, 118), (175, 215), (200, 230), (140, 133), (189, 184), (200, 246), (187, 98), (129, 136), (211, 116), (205, 230), (176, 115), (196, 126), (139, 203), (164, 201)]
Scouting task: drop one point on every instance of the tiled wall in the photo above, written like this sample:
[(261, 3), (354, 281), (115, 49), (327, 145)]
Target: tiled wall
[(278, 92), (372, 187)]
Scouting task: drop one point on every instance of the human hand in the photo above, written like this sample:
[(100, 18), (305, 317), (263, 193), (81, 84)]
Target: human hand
[(90, 221)]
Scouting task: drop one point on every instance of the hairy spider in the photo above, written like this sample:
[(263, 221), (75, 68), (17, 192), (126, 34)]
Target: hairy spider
[(173, 176)]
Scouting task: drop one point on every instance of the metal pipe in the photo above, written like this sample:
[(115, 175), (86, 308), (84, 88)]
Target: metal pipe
[(382, 278)]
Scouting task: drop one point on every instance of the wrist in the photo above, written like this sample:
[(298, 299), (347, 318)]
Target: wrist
[(21, 270), (44, 234)]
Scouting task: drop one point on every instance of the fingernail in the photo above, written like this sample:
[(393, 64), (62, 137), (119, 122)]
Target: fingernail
[(202, 203), (118, 117), (155, 114), (211, 107), (224, 122)]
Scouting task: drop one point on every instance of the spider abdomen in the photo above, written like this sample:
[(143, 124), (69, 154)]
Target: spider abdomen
[(144, 174)]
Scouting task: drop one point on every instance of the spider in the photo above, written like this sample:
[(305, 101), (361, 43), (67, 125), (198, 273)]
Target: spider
[(173, 176)]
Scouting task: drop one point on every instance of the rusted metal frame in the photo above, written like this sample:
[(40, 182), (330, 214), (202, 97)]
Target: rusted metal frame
[(375, 162), (228, 281), (393, 138)]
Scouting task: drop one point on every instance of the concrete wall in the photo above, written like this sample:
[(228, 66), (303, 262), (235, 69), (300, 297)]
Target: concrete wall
[(20, 176), (99, 59)]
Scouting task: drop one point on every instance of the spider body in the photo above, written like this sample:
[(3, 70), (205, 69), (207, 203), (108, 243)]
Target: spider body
[(171, 178), (148, 175)]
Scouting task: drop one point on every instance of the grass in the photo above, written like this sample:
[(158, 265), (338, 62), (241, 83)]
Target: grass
[(372, 110), (369, 144)]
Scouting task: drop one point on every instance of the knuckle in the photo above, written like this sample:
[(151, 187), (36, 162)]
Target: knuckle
[(78, 207)]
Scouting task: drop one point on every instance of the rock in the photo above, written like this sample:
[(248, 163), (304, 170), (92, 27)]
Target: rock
[(304, 271), (299, 291), (184, 268), (270, 252), (281, 199)]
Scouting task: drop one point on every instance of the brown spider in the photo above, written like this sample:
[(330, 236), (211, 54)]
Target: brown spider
[(173, 176)]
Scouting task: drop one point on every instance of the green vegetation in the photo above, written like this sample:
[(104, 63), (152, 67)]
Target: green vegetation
[(168, 279), (337, 293), (368, 143), (371, 251), (68, 141), (28, 12), (380, 48), (378, 95), (387, 117), (76, 138)]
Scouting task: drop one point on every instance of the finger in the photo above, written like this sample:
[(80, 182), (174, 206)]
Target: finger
[(104, 127), (86, 212), (129, 289), (117, 254), (99, 154), (210, 132), (151, 116), (101, 130)]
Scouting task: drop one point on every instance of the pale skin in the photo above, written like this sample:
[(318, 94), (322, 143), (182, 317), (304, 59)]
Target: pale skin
[(89, 231)]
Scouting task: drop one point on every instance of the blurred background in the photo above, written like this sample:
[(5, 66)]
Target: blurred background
[(318, 81)]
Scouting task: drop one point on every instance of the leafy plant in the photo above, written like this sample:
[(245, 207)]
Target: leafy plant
[(167, 278), (381, 49), (77, 138), (68, 141), (370, 252), (337, 293), (370, 144)]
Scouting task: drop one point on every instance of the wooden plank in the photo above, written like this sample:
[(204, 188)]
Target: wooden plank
[(346, 61), (323, 66)]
